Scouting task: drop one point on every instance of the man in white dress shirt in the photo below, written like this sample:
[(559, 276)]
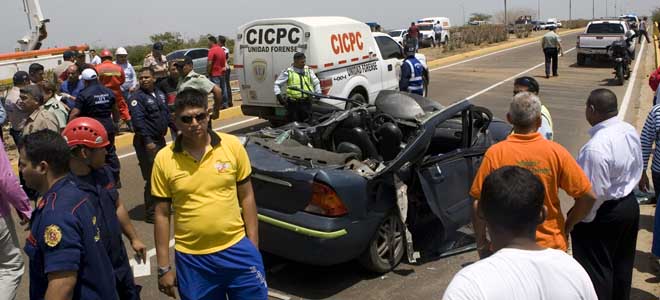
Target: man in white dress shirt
[(604, 242)]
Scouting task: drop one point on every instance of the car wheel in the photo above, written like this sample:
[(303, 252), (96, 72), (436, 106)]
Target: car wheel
[(386, 247), (356, 96)]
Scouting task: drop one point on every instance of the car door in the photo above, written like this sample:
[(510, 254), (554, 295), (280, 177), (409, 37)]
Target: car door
[(392, 55), (200, 59), (446, 176)]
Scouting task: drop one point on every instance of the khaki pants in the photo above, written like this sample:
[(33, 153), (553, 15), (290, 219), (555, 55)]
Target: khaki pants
[(11, 261)]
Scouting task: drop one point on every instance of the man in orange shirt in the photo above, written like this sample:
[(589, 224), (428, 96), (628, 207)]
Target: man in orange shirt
[(551, 162), (112, 76)]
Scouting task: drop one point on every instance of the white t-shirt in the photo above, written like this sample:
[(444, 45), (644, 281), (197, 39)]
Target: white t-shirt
[(514, 274)]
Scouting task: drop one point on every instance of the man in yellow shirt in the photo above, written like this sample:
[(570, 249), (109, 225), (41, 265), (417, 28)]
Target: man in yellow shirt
[(205, 177)]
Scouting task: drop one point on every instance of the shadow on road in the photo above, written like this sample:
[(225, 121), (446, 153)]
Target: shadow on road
[(610, 82), (637, 294), (137, 213)]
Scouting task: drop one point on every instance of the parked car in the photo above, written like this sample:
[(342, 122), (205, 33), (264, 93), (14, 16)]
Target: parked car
[(599, 35), (399, 35), (633, 21), (537, 25), (555, 22), (198, 55), (328, 193)]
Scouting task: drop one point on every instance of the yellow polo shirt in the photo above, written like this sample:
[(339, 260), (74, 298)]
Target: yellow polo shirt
[(207, 215)]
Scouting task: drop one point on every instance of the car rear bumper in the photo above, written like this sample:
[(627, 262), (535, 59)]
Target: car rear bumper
[(314, 239), (592, 51)]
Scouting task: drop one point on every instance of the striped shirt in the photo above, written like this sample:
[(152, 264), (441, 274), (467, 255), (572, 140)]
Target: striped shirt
[(651, 135)]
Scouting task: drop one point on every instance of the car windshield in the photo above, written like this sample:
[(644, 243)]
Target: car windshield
[(425, 27), (175, 55), (395, 33), (605, 28)]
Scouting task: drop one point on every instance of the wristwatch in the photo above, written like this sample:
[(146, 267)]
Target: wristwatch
[(163, 270)]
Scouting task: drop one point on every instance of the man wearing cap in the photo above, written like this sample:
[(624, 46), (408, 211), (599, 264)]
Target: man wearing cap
[(59, 73), (130, 85), (99, 103), (157, 61), (112, 76), (191, 79), (298, 104), (151, 118), (16, 115)]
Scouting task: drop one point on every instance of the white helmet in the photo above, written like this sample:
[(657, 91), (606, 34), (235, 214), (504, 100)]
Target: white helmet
[(121, 51)]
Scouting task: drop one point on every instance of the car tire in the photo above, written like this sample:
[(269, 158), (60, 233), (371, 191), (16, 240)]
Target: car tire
[(387, 246), (356, 96), (581, 59)]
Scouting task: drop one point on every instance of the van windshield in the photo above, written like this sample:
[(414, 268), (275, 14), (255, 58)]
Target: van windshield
[(605, 28), (425, 27), (395, 33)]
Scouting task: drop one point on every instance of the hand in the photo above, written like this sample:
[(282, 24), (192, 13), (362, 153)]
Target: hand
[(152, 148), (215, 114), (167, 284), (23, 218), (140, 250), (644, 183)]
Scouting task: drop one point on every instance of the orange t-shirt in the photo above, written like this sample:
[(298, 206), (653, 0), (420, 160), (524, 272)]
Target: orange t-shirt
[(553, 164), (112, 76)]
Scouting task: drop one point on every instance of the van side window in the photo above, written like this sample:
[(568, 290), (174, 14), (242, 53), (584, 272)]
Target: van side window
[(388, 48), (199, 53)]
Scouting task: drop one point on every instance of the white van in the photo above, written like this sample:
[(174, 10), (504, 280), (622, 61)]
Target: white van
[(441, 26), (349, 60)]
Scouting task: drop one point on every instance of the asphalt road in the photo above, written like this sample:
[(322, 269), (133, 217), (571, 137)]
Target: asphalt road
[(487, 81)]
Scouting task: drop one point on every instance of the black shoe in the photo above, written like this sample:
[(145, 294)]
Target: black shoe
[(555, 75), (547, 76)]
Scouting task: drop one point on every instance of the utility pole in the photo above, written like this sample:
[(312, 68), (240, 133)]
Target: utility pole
[(538, 10), (593, 9), (606, 13), (506, 20), (463, 9), (570, 10)]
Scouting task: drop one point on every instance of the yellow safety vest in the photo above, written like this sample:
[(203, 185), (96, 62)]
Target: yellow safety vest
[(304, 82)]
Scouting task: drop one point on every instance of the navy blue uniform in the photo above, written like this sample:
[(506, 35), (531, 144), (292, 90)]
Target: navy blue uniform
[(65, 237), (151, 118), (96, 101), (100, 183), (412, 76)]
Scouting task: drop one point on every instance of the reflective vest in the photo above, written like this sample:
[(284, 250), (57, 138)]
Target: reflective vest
[(304, 82), (416, 80)]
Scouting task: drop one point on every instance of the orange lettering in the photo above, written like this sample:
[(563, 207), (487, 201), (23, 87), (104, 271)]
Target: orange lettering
[(333, 42)]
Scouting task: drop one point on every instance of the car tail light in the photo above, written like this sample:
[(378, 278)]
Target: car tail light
[(326, 85), (325, 201)]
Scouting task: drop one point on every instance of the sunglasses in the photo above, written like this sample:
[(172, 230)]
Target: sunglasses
[(199, 118)]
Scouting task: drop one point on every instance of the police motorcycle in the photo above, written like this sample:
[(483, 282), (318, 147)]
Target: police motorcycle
[(367, 131), (622, 58)]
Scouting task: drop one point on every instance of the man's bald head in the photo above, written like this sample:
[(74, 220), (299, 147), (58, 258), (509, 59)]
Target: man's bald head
[(603, 102)]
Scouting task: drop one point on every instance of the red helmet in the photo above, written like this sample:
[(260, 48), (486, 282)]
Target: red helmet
[(87, 132), (105, 53)]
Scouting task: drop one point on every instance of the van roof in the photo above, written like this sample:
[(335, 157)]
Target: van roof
[(310, 21)]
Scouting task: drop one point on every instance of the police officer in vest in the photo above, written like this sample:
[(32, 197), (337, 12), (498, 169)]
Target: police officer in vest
[(412, 71), (298, 105)]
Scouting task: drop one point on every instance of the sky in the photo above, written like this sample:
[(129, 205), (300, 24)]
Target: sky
[(114, 23)]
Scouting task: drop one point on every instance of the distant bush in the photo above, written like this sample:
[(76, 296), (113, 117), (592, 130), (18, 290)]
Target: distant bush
[(655, 15), (574, 24), (476, 35)]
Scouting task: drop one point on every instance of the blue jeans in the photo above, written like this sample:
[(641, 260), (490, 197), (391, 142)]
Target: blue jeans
[(220, 82), (236, 273)]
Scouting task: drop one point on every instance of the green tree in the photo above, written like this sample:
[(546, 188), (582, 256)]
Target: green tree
[(171, 41), (480, 17), (655, 15)]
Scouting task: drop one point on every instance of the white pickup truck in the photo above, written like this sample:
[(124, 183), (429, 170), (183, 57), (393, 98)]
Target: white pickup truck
[(599, 35), (349, 60)]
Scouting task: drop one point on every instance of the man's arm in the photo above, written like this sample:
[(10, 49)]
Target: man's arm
[(129, 231), (75, 112), (209, 63), (61, 285), (138, 118), (315, 82), (280, 81), (217, 101), (246, 199), (405, 77), (12, 191), (580, 210), (647, 138)]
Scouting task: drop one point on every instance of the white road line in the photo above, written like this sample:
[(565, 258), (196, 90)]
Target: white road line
[(219, 128), (509, 79), (631, 84)]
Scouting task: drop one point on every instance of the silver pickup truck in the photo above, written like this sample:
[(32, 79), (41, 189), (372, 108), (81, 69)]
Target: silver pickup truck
[(599, 35)]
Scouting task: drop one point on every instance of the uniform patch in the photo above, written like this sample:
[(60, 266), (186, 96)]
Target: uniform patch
[(52, 235), (222, 166), (134, 103)]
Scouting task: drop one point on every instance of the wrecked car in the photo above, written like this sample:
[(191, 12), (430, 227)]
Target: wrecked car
[(360, 183)]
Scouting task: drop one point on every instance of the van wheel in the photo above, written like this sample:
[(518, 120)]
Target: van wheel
[(386, 247), (446, 42), (356, 96)]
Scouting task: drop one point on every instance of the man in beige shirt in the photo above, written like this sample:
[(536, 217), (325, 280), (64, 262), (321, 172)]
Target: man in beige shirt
[(32, 98), (157, 61), (551, 44)]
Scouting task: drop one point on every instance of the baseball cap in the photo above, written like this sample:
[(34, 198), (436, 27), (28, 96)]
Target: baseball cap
[(158, 46), (299, 55), (21, 77), (89, 74)]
